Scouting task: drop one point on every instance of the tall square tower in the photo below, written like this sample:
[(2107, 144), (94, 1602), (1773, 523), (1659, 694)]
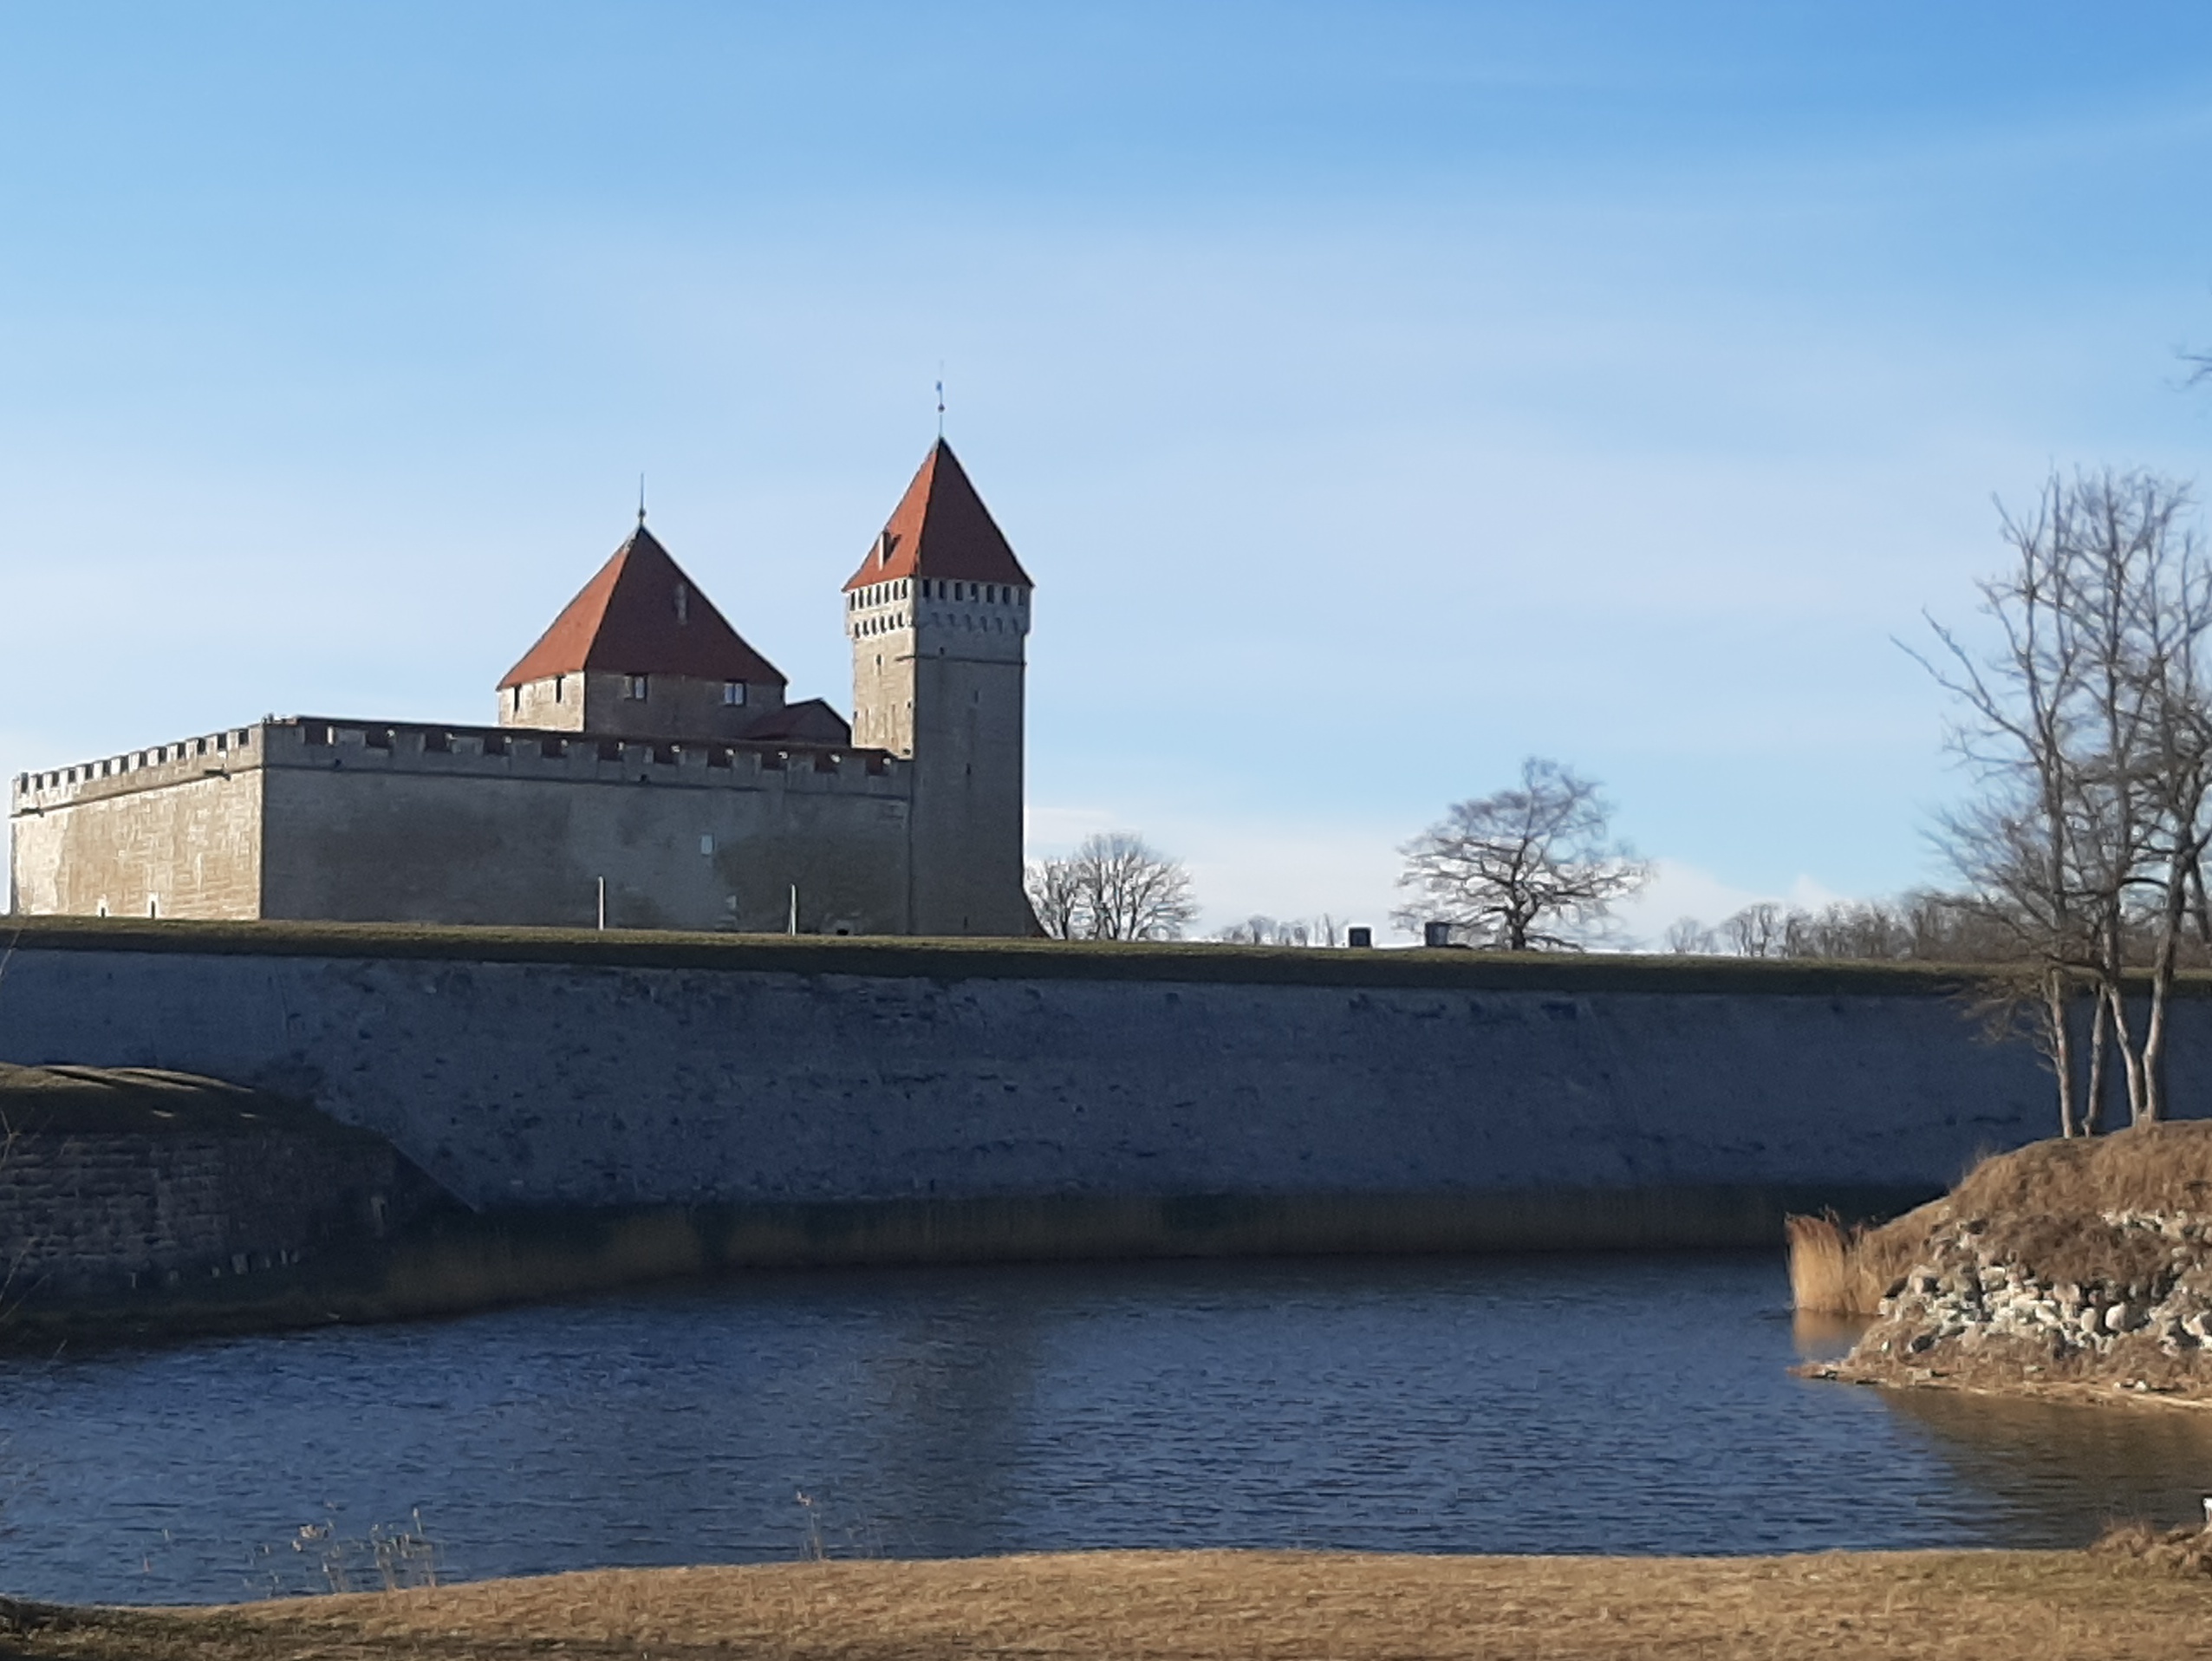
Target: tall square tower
[(939, 614)]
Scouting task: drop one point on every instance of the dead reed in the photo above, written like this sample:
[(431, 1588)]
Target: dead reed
[(1837, 1269)]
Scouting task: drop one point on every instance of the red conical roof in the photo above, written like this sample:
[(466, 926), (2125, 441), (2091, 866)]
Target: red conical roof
[(641, 615), (940, 528)]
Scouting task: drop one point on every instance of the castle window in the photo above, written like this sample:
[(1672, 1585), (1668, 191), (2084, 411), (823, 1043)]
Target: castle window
[(683, 602), (635, 687), (559, 680), (733, 694)]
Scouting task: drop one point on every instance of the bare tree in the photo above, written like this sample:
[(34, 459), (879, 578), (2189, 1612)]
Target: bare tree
[(1755, 931), (1056, 897), (2086, 730), (1686, 937), (1131, 891), (1114, 886), (1530, 867)]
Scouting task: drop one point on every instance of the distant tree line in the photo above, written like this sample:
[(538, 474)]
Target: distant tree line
[(1923, 927), (1258, 930)]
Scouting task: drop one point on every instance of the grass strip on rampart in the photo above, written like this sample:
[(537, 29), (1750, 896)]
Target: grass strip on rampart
[(1042, 960), (1215, 1606)]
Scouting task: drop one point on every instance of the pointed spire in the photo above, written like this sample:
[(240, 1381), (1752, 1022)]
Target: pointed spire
[(942, 528)]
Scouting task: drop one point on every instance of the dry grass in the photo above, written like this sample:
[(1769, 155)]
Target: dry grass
[(1836, 1270), (2045, 1203), (1189, 961), (1205, 1605)]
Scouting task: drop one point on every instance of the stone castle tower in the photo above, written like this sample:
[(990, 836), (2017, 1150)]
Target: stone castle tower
[(647, 771), (938, 615)]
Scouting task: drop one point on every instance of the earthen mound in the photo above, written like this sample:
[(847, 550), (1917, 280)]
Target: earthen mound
[(2080, 1262)]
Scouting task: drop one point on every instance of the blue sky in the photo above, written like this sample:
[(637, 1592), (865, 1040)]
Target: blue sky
[(1379, 393)]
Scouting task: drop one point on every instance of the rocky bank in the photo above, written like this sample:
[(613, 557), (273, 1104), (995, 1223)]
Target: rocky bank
[(2077, 1264)]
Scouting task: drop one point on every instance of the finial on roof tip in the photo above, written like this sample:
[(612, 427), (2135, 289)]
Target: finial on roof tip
[(940, 398), (640, 501)]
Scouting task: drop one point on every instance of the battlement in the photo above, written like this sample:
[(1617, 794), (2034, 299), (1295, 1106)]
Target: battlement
[(984, 610), (323, 742), (216, 754)]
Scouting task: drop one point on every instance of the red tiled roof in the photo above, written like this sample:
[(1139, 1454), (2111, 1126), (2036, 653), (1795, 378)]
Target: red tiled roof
[(940, 528), (641, 615)]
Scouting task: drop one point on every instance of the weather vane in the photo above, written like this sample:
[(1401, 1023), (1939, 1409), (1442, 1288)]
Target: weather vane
[(940, 400)]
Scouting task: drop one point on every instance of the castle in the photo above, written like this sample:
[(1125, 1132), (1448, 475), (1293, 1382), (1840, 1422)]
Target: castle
[(646, 771)]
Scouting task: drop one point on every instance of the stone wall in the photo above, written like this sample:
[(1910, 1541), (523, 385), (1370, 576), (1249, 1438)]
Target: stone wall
[(92, 1214), (675, 705), (114, 1183), (368, 843), (188, 847), (552, 1069), (312, 818)]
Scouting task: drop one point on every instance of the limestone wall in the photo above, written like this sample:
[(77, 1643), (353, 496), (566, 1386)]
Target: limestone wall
[(367, 842), (190, 847), (331, 819), (559, 1070), (673, 706)]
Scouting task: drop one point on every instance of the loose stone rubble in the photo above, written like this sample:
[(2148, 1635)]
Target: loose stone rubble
[(1978, 1310)]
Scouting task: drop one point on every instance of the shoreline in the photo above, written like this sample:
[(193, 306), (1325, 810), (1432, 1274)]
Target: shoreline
[(448, 1262), (2088, 1605), (2078, 1392)]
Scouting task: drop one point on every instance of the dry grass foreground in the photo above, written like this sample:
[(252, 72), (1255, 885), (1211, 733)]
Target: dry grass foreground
[(1255, 1606)]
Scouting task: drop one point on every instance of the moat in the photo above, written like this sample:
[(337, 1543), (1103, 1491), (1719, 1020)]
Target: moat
[(1563, 1405)]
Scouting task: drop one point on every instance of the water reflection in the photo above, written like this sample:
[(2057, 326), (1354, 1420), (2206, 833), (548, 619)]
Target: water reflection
[(2061, 1470), (1469, 1404), (1825, 1337)]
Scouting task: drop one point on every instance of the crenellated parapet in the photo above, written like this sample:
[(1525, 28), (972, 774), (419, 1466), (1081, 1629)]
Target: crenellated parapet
[(442, 749), (211, 754)]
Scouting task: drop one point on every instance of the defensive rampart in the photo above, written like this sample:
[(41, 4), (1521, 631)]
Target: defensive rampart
[(859, 1099)]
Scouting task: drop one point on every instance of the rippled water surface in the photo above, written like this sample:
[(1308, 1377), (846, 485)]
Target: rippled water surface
[(1584, 1404)]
